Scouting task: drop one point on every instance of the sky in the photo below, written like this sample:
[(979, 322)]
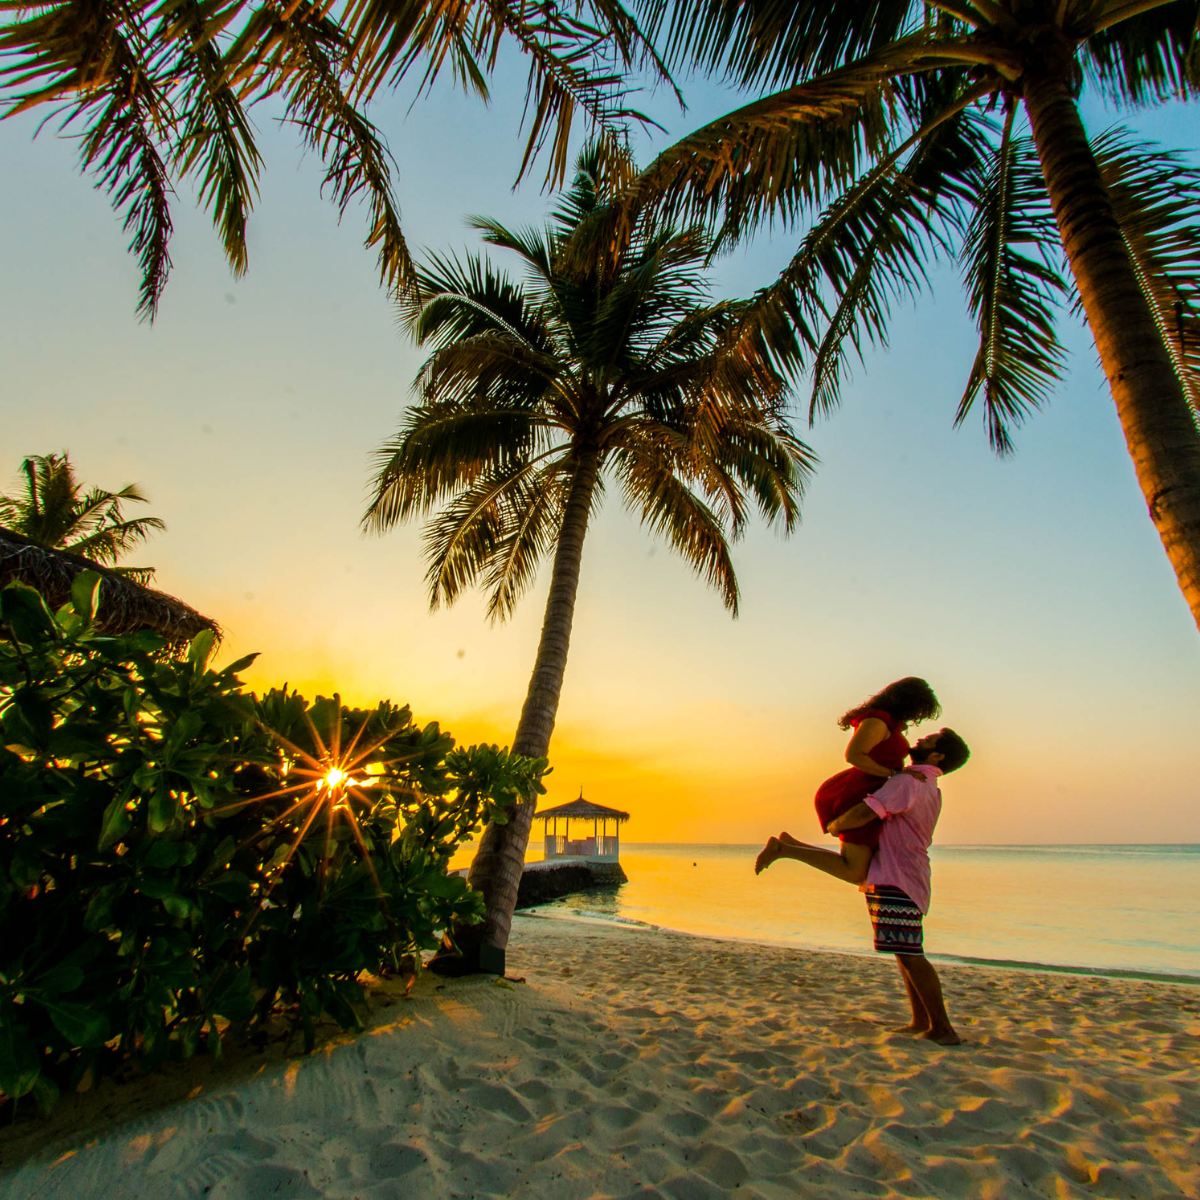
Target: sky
[(1032, 592)]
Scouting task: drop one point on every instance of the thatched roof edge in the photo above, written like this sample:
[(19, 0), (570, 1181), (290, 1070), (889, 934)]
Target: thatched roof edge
[(125, 606), (583, 809)]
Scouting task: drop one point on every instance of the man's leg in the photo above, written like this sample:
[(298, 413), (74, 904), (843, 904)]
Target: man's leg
[(850, 865), (921, 1021), (920, 978)]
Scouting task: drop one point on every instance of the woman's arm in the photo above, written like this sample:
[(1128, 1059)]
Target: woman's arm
[(852, 818), (866, 737)]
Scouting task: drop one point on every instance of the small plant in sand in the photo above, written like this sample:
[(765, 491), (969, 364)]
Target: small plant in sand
[(180, 859)]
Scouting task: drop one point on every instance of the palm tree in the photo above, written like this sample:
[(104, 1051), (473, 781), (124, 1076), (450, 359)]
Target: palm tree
[(905, 131), (55, 512), (600, 367), (158, 89)]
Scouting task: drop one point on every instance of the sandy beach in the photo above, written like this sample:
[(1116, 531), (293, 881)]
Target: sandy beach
[(638, 1063)]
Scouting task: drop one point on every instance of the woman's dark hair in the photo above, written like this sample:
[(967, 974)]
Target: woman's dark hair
[(954, 750), (906, 701)]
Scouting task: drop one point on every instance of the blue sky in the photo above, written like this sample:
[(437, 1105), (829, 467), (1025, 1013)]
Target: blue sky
[(1032, 592)]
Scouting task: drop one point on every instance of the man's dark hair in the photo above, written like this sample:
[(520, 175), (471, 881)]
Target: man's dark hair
[(954, 750)]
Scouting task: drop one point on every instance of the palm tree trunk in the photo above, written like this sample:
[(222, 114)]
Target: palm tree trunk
[(500, 859), (1160, 426)]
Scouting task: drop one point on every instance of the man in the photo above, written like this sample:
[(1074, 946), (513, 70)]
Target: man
[(897, 881)]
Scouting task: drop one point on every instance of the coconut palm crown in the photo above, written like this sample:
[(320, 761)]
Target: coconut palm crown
[(54, 511), (897, 132), (598, 369)]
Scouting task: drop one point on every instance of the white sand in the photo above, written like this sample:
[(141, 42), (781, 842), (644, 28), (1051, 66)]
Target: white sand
[(638, 1063)]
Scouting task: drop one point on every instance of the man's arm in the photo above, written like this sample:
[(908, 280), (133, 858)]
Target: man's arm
[(852, 818)]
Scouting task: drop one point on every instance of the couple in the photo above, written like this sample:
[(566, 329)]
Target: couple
[(885, 813)]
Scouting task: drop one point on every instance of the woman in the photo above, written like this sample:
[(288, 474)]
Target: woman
[(876, 752)]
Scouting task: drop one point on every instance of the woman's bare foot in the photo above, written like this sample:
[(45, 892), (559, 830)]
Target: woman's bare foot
[(943, 1037), (767, 855), (911, 1029)]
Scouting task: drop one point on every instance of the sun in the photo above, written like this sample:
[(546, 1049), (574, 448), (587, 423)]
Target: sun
[(323, 784)]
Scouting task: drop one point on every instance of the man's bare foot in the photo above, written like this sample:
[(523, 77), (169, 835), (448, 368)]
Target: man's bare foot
[(767, 855), (910, 1028), (942, 1037)]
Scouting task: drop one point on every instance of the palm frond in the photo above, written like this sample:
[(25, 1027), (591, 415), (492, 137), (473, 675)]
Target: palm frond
[(443, 448), (777, 157), (296, 49), (457, 299), (1147, 57), (769, 461), (104, 73), (874, 245), (497, 370), (577, 58), (463, 539), (668, 508), (1011, 295), (533, 517), (114, 539), (216, 139), (1156, 196), (762, 43)]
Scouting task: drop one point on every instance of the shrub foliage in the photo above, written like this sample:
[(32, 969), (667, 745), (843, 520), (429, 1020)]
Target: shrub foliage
[(179, 858)]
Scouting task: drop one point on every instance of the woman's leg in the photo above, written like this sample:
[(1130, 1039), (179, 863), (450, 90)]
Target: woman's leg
[(850, 865)]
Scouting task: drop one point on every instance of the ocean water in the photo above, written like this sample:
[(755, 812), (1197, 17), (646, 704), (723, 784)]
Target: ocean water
[(1100, 908)]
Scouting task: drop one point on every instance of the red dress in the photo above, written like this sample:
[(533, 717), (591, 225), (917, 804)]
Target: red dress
[(844, 790)]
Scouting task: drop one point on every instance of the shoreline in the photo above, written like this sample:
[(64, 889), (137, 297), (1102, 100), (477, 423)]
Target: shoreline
[(1003, 964), (656, 1065)]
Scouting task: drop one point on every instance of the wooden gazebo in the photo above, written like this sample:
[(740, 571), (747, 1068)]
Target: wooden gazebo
[(602, 846)]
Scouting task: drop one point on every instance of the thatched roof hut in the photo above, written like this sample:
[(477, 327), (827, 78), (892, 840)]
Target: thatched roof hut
[(125, 606)]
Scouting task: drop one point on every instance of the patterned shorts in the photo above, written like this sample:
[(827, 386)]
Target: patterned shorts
[(896, 921)]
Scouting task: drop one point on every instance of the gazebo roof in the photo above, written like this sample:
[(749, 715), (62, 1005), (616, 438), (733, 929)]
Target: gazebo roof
[(125, 606), (585, 809)]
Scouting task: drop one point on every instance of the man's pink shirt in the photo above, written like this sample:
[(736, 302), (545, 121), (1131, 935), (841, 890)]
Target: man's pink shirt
[(910, 809)]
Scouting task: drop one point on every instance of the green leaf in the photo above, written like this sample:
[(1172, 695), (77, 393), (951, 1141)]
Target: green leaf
[(19, 1066), (100, 908), (164, 810), (162, 854), (155, 889), (201, 648), (232, 886), (178, 907), (28, 719), (65, 977), (235, 1002), (80, 1025), (45, 1094), (85, 594), (115, 823), (23, 608)]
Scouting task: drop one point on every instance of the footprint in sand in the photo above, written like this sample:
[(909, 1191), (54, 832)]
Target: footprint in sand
[(500, 1100), (686, 1124), (251, 1183), (390, 1159), (616, 1117)]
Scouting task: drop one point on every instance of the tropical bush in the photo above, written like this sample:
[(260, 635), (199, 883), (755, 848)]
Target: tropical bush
[(180, 859)]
